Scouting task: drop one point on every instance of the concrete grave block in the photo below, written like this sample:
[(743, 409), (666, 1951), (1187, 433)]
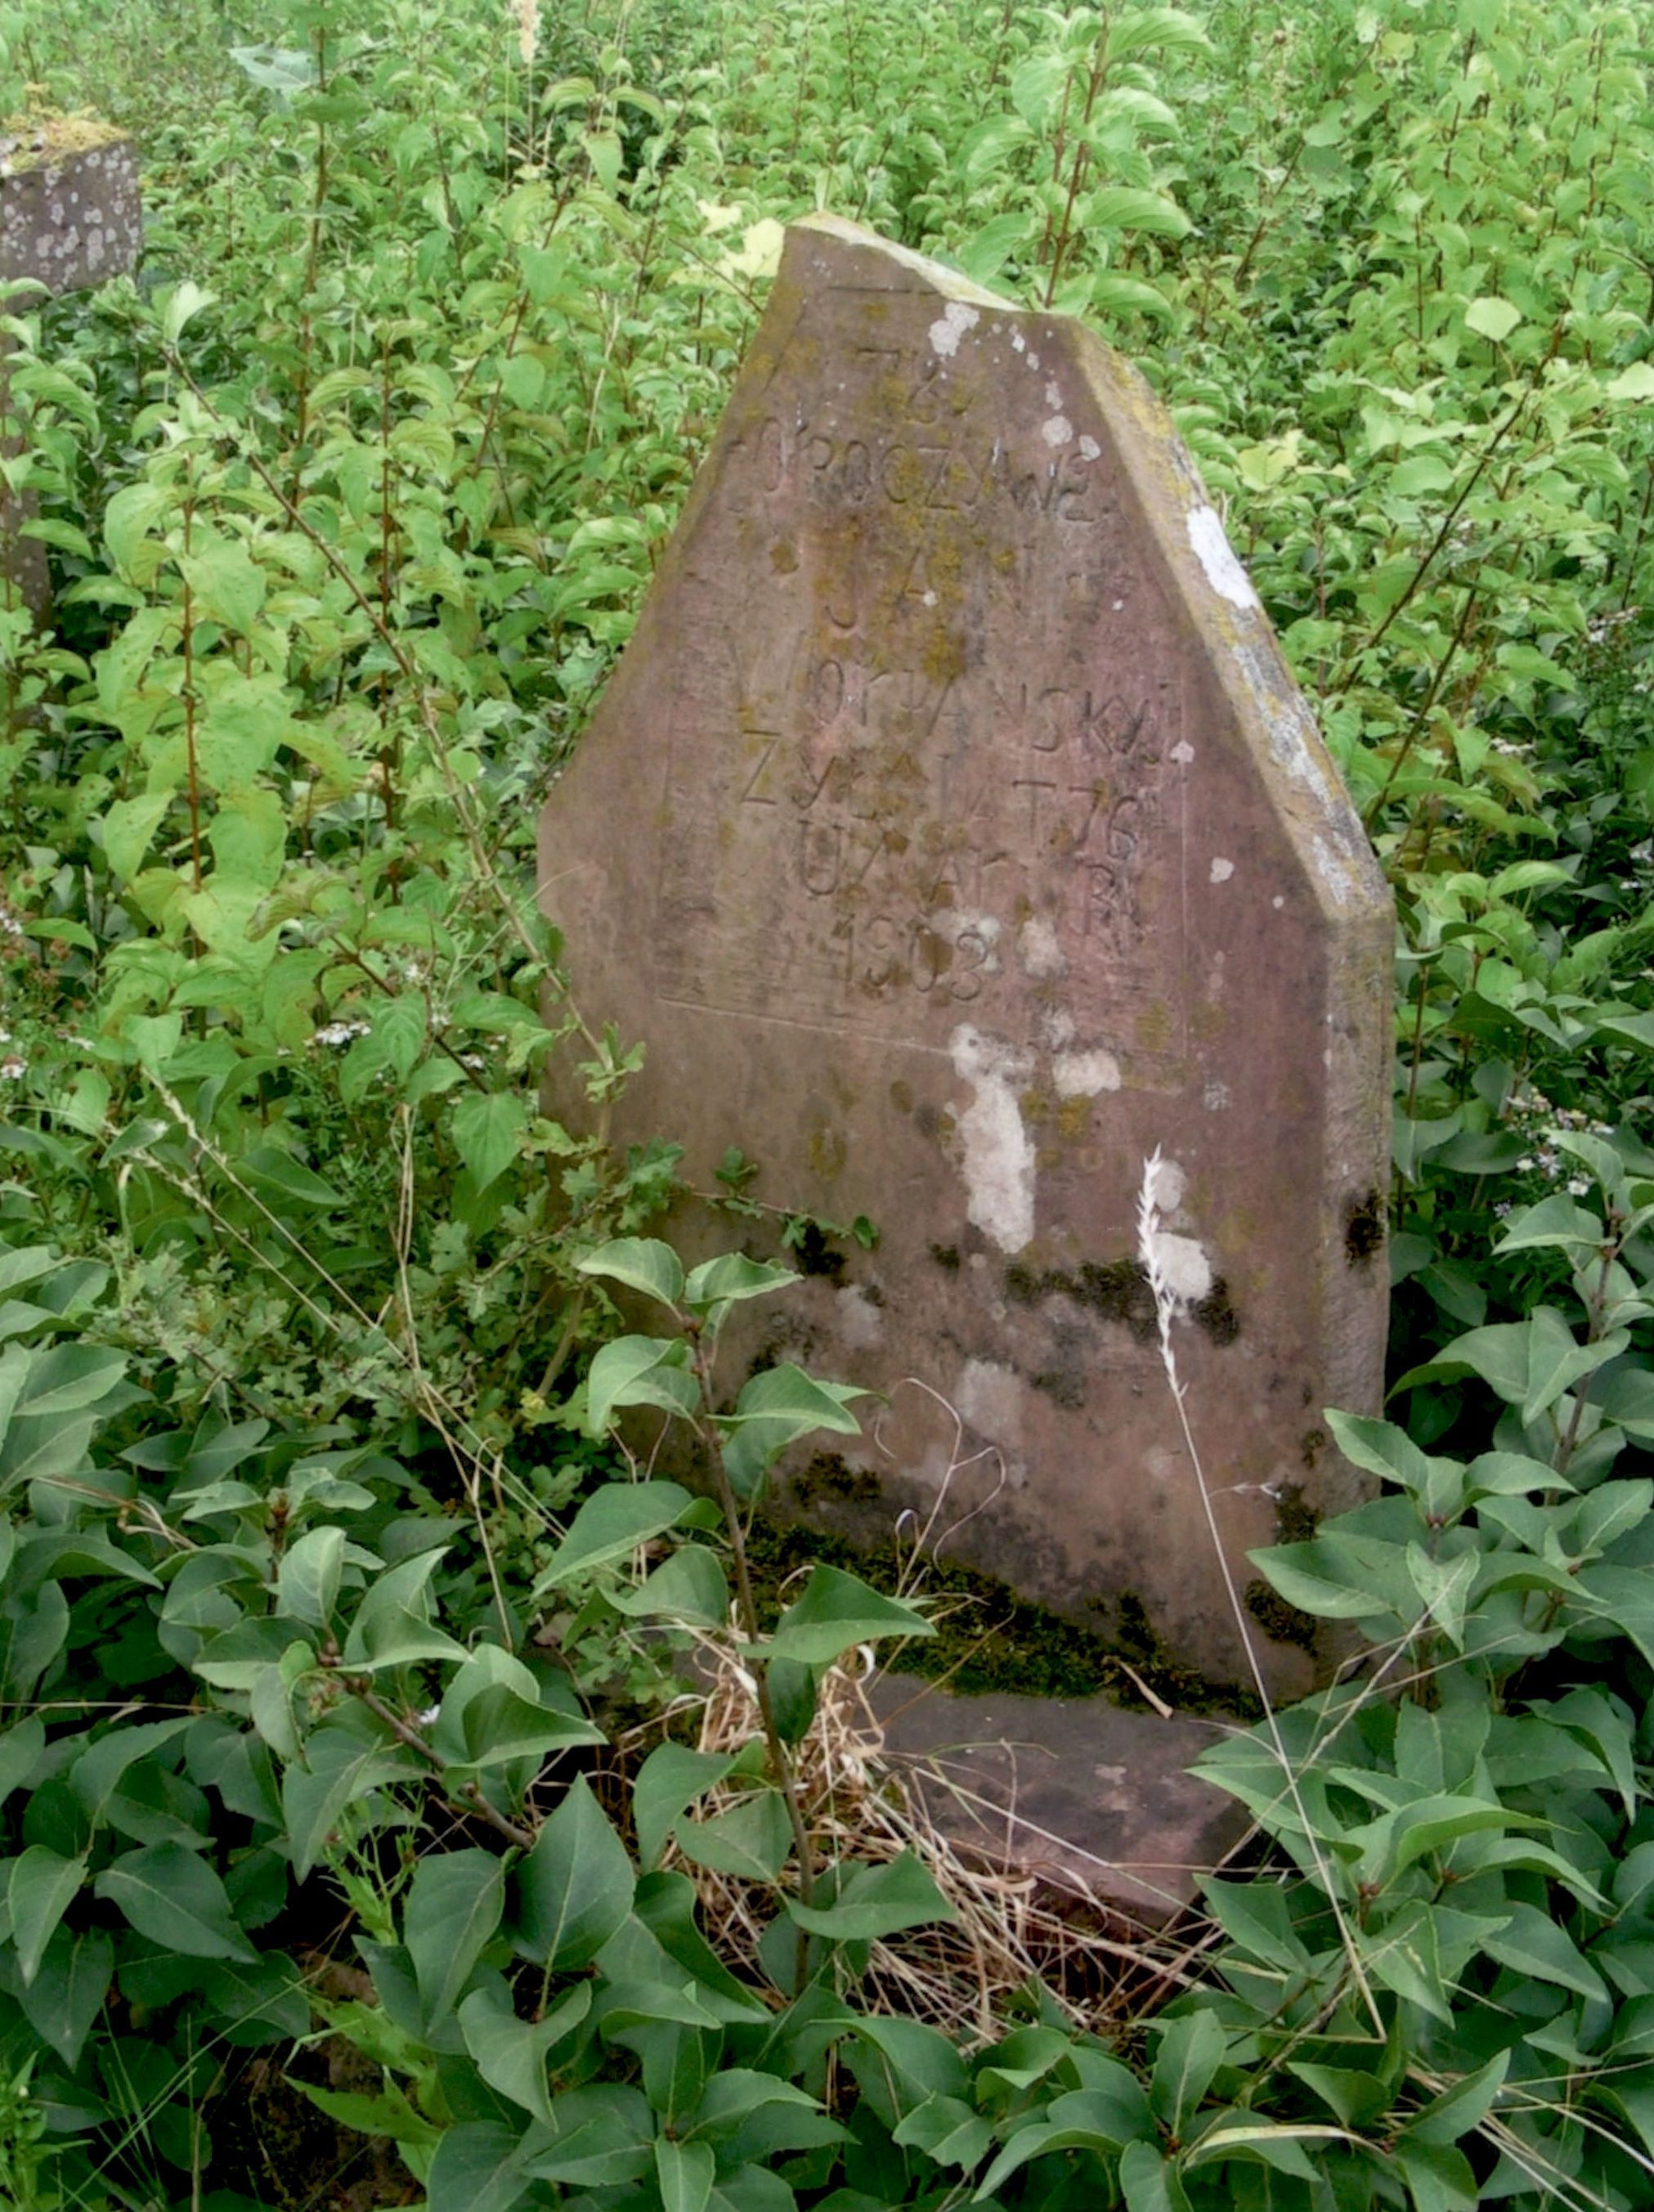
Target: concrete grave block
[(954, 835), (69, 218)]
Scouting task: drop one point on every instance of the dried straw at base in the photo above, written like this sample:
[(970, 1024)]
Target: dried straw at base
[(1013, 1933)]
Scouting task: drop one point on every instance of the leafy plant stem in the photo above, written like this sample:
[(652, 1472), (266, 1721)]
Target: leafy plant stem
[(781, 1767)]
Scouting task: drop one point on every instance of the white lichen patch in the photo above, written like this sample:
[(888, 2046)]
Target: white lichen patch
[(1183, 752), (1166, 1186), (1040, 950), (1215, 1096), (1019, 343), (1083, 1075), (1056, 1027), (1053, 393), (950, 326), (997, 1153), (989, 1398), (1216, 557), (1090, 450), (859, 1321), (1058, 431), (1184, 1267), (1332, 870), (1221, 871)]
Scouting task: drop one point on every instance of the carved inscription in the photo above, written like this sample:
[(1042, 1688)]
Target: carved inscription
[(940, 767)]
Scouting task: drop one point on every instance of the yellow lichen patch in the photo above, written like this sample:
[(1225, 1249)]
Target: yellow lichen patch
[(47, 139)]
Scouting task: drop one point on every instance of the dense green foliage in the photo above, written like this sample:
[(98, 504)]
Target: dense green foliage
[(322, 1573)]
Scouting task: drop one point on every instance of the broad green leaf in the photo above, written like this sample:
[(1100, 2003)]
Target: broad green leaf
[(688, 1586), (307, 1580), (1458, 2110), (751, 1840), (877, 1900), (836, 1613), (668, 1784), (170, 1894), (1149, 2181), (69, 1379), (1493, 318), (127, 827), (611, 1524), (498, 1724), (1163, 30), (1191, 2052), (95, 1775), (684, 2173), (387, 2113), (481, 2166), (43, 1886), (604, 2138), (642, 1263), (776, 1408), (67, 1994), (1636, 382), (228, 584), (487, 1130), (947, 2130), (1357, 2099), (278, 1173), (392, 1626), (128, 517), (180, 307), (716, 1284), (639, 1371), (19, 1752), (345, 1764), (574, 1888), (1535, 1946), (453, 1907), (511, 2054), (1128, 207)]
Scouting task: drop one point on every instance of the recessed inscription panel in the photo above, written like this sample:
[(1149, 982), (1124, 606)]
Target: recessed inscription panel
[(929, 728)]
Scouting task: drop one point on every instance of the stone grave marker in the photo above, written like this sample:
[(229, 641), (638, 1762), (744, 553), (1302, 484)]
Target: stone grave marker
[(69, 218), (952, 836)]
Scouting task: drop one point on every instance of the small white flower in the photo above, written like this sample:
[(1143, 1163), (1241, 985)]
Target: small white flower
[(336, 1033), (1578, 1186), (13, 1066)]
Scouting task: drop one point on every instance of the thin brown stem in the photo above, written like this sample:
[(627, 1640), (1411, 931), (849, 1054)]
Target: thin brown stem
[(469, 1797)]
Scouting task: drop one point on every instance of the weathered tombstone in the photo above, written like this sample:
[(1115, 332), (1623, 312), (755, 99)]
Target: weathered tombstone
[(954, 835), (69, 218)]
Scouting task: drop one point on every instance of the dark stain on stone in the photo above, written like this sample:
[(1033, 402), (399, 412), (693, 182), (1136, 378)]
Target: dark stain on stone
[(827, 1475), (1313, 1444), (816, 1255), (926, 1119), (1364, 1227), (1216, 1314), (1064, 1385), (1295, 1521), (1281, 1622), (946, 1257), (1119, 1292)]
